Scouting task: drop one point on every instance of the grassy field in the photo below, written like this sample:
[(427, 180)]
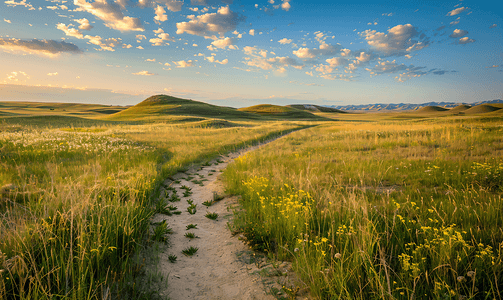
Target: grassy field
[(381, 210), (76, 201), (366, 206)]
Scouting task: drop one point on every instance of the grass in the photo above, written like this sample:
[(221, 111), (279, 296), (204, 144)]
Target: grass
[(191, 226), (85, 194), (211, 216), (190, 251), (160, 232), (190, 235), (172, 258), (381, 209), (207, 203)]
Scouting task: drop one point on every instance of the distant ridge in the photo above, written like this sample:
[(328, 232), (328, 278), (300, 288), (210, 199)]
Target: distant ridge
[(481, 109), (316, 108), (384, 107), (431, 109)]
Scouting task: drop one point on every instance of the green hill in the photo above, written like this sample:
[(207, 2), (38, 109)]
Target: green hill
[(482, 109), (162, 106), (280, 112), (430, 109)]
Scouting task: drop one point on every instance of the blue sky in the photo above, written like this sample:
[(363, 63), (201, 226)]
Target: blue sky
[(241, 53)]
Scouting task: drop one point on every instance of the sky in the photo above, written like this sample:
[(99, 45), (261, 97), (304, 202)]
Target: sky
[(242, 53)]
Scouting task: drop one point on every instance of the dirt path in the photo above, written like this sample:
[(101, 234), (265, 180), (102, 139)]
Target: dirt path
[(223, 267)]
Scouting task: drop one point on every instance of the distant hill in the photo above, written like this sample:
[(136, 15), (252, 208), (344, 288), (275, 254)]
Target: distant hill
[(316, 108), (283, 112), (481, 109), (431, 109), (166, 106), (385, 107)]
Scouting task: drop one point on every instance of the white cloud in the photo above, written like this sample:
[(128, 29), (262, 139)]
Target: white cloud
[(127, 46), (285, 5), (457, 11), (8, 21), (207, 25), (52, 74), (14, 77), (465, 40), (222, 62), (345, 52), (183, 63), (457, 33), (13, 3), (285, 41), (150, 59), (160, 15), (399, 39), (251, 32), (105, 44), (111, 13), (324, 49), (70, 31), (222, 43), (161, 38), (48, 48), (337, 61), (144, 73), (84, 24), (493, 26), (363, 57)]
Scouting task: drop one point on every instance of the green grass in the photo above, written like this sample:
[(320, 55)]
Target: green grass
[(380, 209), (281, 112), (211, 216), (190, 251)]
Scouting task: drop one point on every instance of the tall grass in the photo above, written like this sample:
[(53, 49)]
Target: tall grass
[(76, 202), (388, 210)]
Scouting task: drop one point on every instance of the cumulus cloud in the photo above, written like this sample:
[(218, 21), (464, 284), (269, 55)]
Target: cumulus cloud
[(465, 40), (493, 26), (345, 52), (207, 25), (183, 63), (363, 57), (285, 41), (16, 77), (457, 11), (172, 5), (150, 59), (161, 38), (337, 61), (398, 40), (259, 59), (48, 48), (13, 3), (7, 21), (457, 33), (84, 24), (52, 74), (222, 43), (324, 49), (105, 44), (285, 5), (251, 32), (111, 13), (160, 15), (414, 72), (387, 67), (144, 73), (70, 31)]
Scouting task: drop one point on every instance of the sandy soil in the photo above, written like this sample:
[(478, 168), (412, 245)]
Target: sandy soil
[(224, 267)]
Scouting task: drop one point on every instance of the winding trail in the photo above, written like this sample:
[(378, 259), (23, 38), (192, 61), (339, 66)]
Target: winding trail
[(223, 267)]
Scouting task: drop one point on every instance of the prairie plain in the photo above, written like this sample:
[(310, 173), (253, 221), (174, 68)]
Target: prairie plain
[(365, 206)]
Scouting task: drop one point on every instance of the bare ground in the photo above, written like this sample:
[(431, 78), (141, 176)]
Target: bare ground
[(224, 267)]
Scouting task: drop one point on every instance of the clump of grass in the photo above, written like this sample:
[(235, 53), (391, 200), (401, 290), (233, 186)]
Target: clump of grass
[(160, 232), (206, 164), (211, 216), (189, 178), (177, 181), (172, 258), (177, 212), (190, 235), (191, 226), (174, 197), (190, 251), (200, 182), (161, 207), (171, 207), (187, 193), (192, 209), (207, 203)]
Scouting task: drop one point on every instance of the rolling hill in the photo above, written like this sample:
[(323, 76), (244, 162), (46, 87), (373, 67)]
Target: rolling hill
[(316, 108), (160, 106)]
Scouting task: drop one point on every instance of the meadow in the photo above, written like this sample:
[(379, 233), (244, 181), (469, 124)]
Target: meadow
[(365, 206), (382, 209), (76, 202)]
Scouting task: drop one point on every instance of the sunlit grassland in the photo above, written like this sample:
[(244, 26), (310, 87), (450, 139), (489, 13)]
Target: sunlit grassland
[(76, 202), (381, 210)]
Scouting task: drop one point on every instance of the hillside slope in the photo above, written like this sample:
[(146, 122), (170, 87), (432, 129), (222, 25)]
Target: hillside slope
[(281, 112)]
